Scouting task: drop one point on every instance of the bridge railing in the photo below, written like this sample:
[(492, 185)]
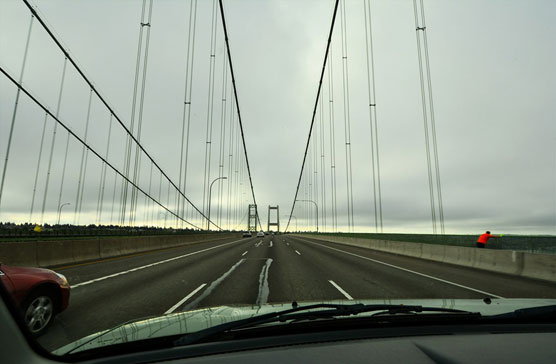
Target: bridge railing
[(525, 243), (10, 232)]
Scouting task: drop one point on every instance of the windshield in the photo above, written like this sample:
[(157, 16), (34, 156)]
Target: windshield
[(200, 162)]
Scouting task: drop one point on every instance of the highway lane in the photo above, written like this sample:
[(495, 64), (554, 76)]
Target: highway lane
[(476, 280), (142, 290), (252, 271)]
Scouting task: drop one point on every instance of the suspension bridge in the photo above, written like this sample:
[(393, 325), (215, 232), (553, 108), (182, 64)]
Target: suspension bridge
[(177, 156), (87, 163)]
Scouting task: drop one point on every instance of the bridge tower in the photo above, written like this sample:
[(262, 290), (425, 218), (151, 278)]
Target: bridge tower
[(277, 223), (252, 218)]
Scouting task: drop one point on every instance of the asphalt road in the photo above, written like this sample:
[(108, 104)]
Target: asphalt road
[(251, 271)]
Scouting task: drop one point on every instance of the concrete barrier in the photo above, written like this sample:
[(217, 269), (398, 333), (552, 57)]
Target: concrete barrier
[(531, 265), (51, 253), (15, 253)]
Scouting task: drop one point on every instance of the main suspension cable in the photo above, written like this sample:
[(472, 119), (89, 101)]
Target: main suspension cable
[(237, 106), (68, 129), (314, 109), (108, 107)]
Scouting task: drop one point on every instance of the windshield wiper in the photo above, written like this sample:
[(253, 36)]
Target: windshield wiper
[(308, 313), (545, 313)]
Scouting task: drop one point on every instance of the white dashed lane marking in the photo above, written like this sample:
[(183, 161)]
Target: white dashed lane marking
[(346, 295)]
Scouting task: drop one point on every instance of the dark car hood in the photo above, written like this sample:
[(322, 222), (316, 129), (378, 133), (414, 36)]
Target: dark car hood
[(191, 321)]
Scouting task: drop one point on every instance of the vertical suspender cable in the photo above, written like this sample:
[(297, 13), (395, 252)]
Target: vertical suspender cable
[(53, 140), (433, 126), (316, 180), (137, 165), (159, 194), (114, 198), (83, 149), (63, 170), (147, 207), (100, 200), (222, 141), (425, 119), (38, 167), (237, 179), (16, 104), (127, 157), (230, 164), (377, 195), (83, 185), (167, 202), (210, 108), (322, 165), (186, 118), (347, 121), (332, 144)]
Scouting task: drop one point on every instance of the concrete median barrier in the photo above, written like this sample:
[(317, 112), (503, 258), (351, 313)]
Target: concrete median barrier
[(531, 265), (50, 253)]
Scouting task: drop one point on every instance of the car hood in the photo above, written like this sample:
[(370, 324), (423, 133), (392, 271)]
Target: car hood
[(192, 321)]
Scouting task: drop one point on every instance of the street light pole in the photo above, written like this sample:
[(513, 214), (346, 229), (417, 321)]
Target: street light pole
[(316, 208), (210, 192), (60, 210)]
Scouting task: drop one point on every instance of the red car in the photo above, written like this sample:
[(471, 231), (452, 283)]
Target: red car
[(40, 293)]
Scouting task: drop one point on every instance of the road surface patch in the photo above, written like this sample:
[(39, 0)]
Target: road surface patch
[(264, 290)]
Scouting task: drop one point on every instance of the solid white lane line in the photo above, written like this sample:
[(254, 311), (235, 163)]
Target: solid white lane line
[(212, 287), (298, 253), (185, 299), (346, 295), (264, 291), (245, 252), (407, 270), (270, 245), (258, 244), (149, 265)]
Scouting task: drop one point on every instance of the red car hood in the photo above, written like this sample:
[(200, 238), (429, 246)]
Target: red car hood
[(10, 270)]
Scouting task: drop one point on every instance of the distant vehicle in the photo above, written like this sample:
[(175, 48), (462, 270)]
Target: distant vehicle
[(40, 294), (260, 234), (266, 232), (247, 234)]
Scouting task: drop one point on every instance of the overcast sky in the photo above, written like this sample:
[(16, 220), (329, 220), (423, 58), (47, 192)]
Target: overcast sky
[(493, 83)]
